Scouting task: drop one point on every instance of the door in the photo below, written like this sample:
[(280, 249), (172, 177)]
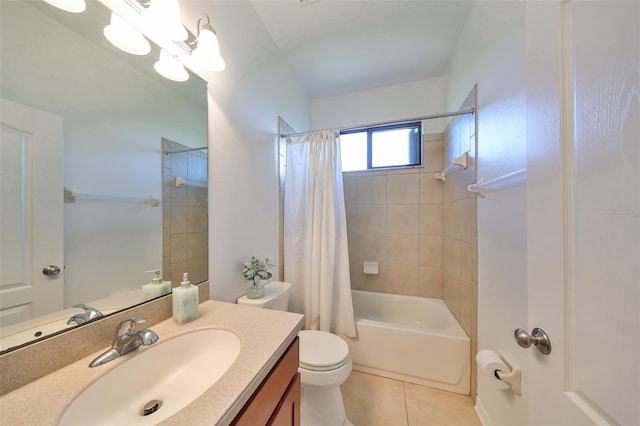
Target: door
[(31, 216), (583, 212)]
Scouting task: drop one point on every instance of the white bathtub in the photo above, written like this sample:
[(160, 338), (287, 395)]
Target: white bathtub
[(413, 339)]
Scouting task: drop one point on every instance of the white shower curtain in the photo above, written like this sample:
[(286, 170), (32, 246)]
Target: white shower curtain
[(316, 257)]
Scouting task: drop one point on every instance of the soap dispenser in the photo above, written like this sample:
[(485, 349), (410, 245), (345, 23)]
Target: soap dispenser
[(185, 301), (156, 287)]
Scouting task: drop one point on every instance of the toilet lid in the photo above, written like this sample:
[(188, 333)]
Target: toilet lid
[(320, 350)]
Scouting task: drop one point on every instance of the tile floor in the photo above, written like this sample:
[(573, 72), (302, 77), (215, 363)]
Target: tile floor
[(377, 401)]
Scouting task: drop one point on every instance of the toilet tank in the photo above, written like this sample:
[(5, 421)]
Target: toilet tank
[(276, 296)]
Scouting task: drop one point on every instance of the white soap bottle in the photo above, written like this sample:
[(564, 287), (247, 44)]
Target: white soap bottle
[(185, 301), (156, 287)]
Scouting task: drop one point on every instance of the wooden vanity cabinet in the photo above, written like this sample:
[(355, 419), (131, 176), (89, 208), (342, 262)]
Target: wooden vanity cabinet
[(277, 399)]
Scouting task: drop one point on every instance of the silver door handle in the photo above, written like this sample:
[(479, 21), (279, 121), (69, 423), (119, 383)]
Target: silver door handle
[(51, 270), (538, 338)]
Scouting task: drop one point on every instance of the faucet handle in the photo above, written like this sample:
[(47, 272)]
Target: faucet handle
[(128, 326), (90, 312)]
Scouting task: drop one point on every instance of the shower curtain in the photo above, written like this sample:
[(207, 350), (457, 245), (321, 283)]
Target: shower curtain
[(316, 257)]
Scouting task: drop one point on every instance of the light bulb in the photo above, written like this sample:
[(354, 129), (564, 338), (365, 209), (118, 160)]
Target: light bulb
[(164, 16), (207, 53), (73, 6), (125, 37), (169, 67)]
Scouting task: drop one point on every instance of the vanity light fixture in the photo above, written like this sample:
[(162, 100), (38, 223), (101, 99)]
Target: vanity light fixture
[(73, 6), (169, 67), (165, 16), (207, 49), (125, 37)]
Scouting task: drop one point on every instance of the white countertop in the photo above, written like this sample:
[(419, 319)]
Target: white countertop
[(264, 336)]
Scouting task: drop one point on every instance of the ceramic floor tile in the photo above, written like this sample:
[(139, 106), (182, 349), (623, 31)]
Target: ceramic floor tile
[(374, 401), (428, 406)]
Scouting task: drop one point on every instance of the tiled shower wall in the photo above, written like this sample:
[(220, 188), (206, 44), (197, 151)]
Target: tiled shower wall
[(395, 218), (184, 214), (460, 232)]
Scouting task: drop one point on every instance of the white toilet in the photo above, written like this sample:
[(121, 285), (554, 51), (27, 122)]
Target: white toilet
[(325, 363)]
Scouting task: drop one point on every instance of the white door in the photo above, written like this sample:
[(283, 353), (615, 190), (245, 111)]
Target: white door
[(583, 212), (31, 216)]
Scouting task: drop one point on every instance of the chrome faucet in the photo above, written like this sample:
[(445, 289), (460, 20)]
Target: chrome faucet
[(126, 340), (88, 314)]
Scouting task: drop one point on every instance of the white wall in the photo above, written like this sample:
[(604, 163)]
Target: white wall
[(490, 52), (245, 101), (398, 101)]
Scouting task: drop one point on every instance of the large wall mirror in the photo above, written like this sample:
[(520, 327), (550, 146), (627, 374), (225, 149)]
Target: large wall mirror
[(102, 175)]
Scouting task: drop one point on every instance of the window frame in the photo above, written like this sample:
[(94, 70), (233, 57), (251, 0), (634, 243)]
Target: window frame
[(373, 129)]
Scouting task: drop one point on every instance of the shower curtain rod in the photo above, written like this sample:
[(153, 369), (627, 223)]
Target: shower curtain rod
[(186, 150), (384, 123)]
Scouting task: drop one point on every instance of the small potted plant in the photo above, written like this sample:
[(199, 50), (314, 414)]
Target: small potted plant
[(256, 271)]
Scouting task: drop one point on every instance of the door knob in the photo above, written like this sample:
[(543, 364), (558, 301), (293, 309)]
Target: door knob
[(538, 338), (51, 270)]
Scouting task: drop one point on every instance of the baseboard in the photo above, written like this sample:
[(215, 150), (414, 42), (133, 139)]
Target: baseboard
[(481, 412)]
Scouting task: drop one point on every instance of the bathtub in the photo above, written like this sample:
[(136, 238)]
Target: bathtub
[(413, 339)]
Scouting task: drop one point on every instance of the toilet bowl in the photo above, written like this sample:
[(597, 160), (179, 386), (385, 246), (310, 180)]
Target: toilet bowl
[(325, 364)]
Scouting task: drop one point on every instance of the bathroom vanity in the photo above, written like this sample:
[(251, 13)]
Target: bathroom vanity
[(261, 386)]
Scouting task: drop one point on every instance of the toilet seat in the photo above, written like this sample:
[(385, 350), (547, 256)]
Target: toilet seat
[(322, 351)]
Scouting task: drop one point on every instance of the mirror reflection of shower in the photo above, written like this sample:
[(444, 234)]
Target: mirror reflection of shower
[(185, 201)]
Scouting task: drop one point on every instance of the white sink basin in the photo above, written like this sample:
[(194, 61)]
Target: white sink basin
[(174, 372)]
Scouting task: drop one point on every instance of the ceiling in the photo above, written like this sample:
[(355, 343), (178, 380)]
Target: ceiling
[(339, 46)]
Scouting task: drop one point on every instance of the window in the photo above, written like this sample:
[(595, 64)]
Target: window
[(398, 145)]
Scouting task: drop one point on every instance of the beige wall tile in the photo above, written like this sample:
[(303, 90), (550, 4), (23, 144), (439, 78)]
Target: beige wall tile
[(196, 196), (403, 249), (431, 250), (403, 279), (351, 212), (166, 186), (371, 219), (367, 247), (166, 268), (166, 242), (433, 157), (459, 219), (178, 247), (430, 189), (350, 189), (431, 282), (177, 268), (374, 282), (403, 188), (372, 189), (457, 261), (197, 269), (431, 219), (196, 245), (196, 219), (403, 218), (178, 220), (451, 294), (179, 196)]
